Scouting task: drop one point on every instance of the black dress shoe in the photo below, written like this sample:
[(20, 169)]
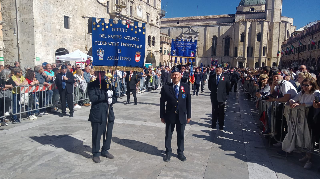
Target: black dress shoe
[(96, 159), (182, 157), (166, 158), (62, 114), (107, 155), (128, 102), (213, 126), (220, 128), (71, 115)]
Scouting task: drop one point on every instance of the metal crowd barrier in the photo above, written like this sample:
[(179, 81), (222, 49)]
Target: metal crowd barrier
[(297, 134)]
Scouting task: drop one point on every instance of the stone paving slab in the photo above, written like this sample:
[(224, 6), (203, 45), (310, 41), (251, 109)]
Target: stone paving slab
[(53, 147)]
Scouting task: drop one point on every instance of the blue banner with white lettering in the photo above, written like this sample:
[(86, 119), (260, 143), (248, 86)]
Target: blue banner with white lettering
[(118, 45), (182, 48)]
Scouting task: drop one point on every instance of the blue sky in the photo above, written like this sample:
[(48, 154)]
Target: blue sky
[(302, 11)]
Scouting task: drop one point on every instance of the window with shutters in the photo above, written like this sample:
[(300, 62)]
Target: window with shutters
[(149, 40), (227, 46), (235, 51)]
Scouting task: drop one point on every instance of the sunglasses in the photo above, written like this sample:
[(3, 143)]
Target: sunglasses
[(305, 85)]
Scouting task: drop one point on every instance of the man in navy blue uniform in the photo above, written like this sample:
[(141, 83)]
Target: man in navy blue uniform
[(175, 110), (219, 85)]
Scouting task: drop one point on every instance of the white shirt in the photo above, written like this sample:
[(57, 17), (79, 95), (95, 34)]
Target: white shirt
[(175, 85), (287, 88), (307, 99), (218, 76)]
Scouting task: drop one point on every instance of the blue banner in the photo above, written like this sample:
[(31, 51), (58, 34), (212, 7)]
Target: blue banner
[(183, 48), (118, 45)]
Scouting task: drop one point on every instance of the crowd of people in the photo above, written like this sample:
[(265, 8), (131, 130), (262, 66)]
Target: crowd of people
[(291, 88)]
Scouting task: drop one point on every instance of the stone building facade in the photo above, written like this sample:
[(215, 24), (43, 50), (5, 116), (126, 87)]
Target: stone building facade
[(165, 50), (43, 27), (303, 48), (249, 38)]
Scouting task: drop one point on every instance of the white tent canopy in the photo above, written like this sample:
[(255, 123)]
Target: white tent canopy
[(74, 56)]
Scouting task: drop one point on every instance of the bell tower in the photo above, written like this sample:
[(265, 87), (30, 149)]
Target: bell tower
[(273, 10)]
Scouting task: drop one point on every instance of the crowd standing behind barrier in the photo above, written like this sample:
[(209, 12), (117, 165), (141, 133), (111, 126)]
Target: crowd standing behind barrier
[(299, 125)]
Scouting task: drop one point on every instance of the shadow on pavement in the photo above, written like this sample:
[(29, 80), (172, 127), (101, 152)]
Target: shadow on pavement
[(65, 142), (139, 146)]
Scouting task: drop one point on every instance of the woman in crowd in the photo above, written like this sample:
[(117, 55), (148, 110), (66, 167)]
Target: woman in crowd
[(306, 98), (301, 77), (5, 94), (33, 101), (82, 86)]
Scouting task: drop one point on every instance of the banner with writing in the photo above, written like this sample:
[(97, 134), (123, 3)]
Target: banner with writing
[(118, 45), (182, 48)]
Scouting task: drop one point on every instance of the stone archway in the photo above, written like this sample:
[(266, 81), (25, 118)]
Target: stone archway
[(61, 51), (151, 59)]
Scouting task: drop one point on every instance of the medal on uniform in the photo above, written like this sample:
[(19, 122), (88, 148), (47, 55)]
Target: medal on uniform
[(183, 96)]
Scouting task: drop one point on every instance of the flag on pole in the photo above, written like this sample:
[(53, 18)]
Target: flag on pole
[(292, 48), (278, 53), (312, 42)]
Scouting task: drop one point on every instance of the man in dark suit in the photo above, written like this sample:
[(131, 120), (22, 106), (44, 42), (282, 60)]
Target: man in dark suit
[(168, 76), (219, 85), (64, 82), (204, 79), (132, 80), (175, 109), (164, 76), (234, 78), (184, 74)]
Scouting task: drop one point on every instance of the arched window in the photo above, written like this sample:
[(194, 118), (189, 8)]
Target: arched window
[(259, 37), (242, 37), (149, 40), (226, 46), (153, 41), (214, 45)]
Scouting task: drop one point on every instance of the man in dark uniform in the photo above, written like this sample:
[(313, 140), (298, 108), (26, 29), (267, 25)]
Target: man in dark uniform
[(197, 81), (168, 76), (219, 85), (184, 75), (102, 96), (132, 80), (234, 78), (65, 82), (175, 110)]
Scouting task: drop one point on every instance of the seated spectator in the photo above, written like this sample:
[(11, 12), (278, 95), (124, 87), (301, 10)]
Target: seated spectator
[(16, 80), (306, 98), (33, 104)]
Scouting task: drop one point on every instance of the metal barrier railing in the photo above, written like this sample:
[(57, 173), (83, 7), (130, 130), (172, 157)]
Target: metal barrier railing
[(292, 123)]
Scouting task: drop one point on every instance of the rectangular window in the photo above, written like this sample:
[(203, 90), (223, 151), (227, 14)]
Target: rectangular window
[(251, 51), (66, 22), (155, 3), (160, 49), (117, 1), (264, 51), (130, 10), (248, 51), (147, 18), (235, 51), (108, 6)]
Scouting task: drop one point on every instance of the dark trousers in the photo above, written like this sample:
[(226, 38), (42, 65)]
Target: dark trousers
[(66, 96), (235, 84), (99, 129), (202, 86), (218, 113), (180, 136), (134, 93), (196, 88)]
